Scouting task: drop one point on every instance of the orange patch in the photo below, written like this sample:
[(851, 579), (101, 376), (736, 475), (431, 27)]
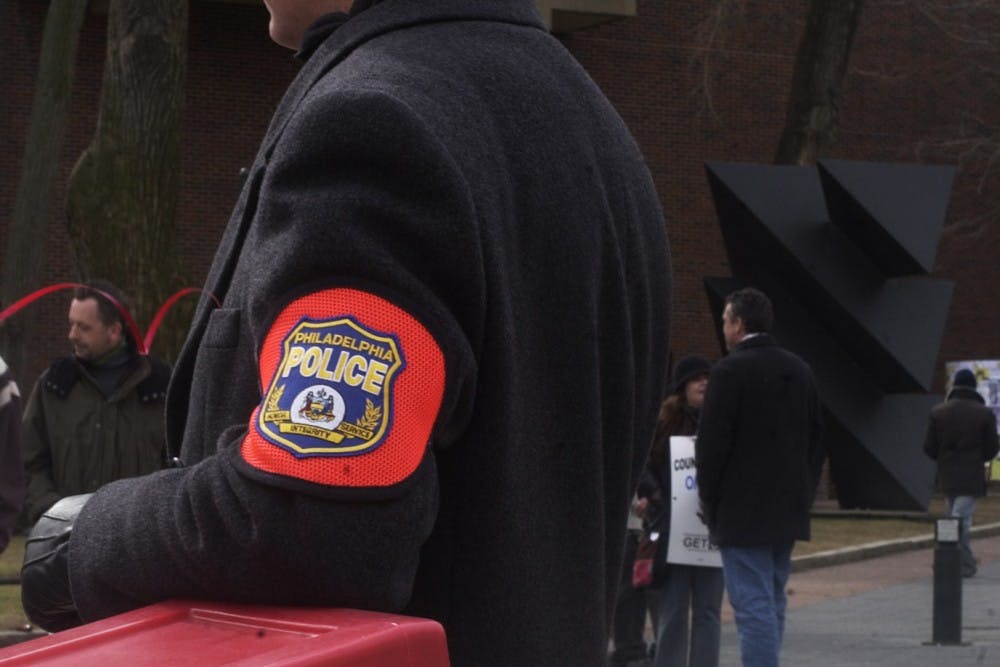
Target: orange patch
[(352, 388)]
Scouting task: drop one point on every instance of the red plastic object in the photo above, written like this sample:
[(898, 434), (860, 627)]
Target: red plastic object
[(209, 633)]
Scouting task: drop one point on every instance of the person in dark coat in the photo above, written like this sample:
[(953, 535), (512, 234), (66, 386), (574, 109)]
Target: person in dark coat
[(961, 437), (683, 591), (450, 231), (759, 454), (633, 604), (670, 596), (95, 415)]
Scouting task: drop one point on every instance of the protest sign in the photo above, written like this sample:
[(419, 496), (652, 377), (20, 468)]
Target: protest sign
[(689, 543)]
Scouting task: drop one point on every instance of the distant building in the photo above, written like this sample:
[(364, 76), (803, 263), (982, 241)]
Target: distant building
[(906, 87)]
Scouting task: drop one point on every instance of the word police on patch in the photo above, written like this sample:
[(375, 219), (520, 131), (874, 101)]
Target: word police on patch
[(332, 392)]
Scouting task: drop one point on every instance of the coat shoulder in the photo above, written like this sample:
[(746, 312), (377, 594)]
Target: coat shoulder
[(61, 375)]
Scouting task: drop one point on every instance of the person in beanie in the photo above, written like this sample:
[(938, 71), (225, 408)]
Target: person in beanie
[(432, 381), (961, 437), (678, 415), (681, 590), (759, 455)]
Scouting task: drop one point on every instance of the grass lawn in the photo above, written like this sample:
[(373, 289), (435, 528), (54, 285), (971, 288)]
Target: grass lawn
[(834, 532), (11, 615)]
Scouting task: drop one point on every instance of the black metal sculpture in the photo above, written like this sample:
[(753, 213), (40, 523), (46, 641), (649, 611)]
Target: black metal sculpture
[(843, 250)]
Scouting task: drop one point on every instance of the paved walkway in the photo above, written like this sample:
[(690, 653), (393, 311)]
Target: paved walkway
[(879, 611)]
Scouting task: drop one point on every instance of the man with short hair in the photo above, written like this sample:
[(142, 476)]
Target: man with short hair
[(759, 454), (96, 415), (961, 437), (442, 344)]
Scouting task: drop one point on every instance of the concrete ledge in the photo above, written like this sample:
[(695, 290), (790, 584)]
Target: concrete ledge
[(876, 549), (566, 16), (873, 514)]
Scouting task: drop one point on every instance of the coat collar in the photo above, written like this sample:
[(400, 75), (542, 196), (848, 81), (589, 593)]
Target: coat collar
[(760, 340), (966, 393), (383, 17)]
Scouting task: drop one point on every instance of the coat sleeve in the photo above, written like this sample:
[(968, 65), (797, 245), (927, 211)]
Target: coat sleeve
[(363, 266), (37, 457), (991, 442), (931, 444), (716, 437), (817, 447)]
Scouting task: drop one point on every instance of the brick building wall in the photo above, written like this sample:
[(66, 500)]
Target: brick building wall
[(904, 88), (235, 78)]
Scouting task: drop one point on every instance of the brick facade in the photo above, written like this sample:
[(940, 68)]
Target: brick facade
[(905, 88)]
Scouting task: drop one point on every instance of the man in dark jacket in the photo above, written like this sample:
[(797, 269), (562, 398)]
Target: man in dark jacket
[(759, 454), (961, 437), (441, 347), (96, 415), (11, 476)]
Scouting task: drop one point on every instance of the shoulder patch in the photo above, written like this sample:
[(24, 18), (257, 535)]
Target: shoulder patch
[(351, 385), (332, 392)]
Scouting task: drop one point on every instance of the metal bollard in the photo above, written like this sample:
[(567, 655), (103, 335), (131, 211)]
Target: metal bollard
[(947, 582)]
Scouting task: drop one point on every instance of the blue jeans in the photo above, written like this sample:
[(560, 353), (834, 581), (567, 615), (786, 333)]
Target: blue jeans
[(694, 589), (755, 581), (962, 507)]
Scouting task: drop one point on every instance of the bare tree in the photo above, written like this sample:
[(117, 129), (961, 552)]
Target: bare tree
[(817, 82), (122, 193), (824, 49), (967, 135), (711, 38), (970, 138), (28, 230)]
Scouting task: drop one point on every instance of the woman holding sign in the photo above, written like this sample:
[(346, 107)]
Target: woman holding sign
[(683, 589)]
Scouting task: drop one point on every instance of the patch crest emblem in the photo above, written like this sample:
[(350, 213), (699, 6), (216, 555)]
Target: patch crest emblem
[(332, 392)]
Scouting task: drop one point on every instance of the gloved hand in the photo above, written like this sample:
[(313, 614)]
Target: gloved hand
[(45, 592)]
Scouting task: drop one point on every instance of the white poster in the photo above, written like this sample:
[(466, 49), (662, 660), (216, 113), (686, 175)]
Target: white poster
[(689, 542)]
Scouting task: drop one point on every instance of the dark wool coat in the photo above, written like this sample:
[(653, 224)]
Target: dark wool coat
[(759, 450), (961, 436), (676, 418), (451, 156)]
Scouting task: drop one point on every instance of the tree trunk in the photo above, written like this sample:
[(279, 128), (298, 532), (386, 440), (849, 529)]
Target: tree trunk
[(26, 239), (122, 193), (820, 65)]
